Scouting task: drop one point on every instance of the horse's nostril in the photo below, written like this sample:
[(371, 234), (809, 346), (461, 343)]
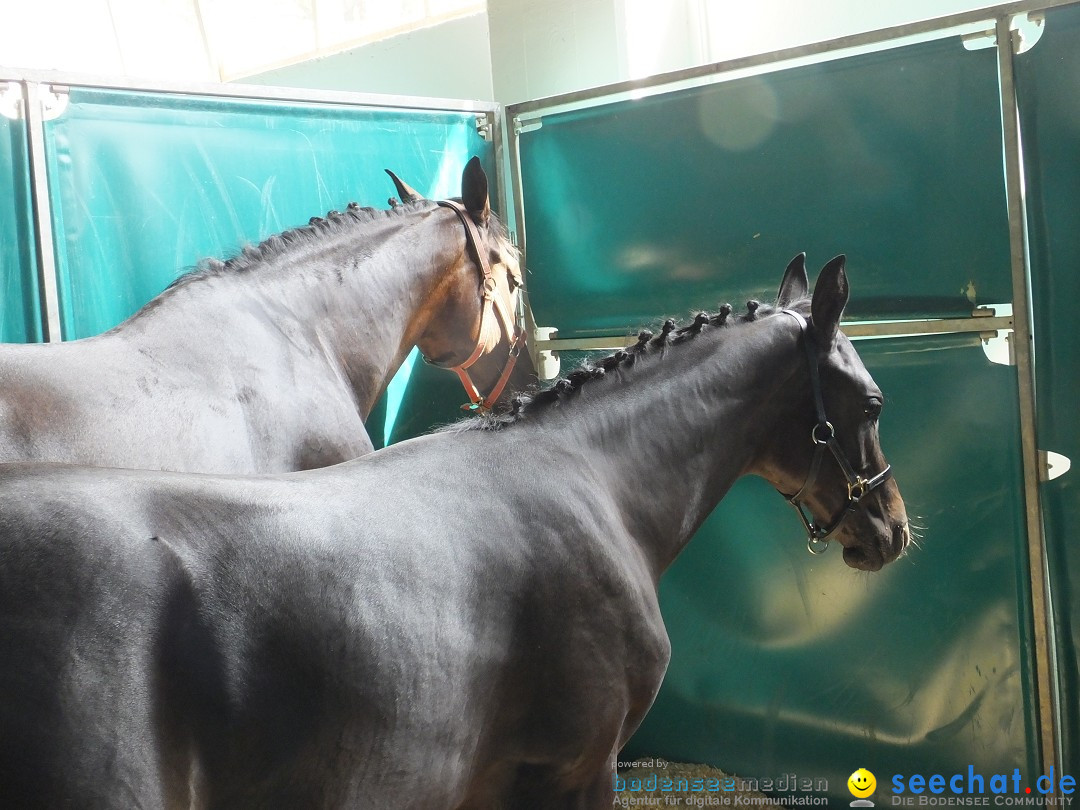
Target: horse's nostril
[(901, 536)]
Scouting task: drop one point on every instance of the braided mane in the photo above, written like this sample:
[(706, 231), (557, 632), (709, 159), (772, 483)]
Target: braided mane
[(333, 223), (648, 343)]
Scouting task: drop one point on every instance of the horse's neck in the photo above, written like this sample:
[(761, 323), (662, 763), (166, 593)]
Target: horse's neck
[(688, 426), (351, 298), (375, 317)]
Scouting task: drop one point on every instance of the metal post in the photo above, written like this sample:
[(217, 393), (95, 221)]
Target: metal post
[(514, 158), (39, 197), (1046, 705)]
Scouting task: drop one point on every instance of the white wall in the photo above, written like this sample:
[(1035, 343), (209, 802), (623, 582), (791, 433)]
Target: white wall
[(543, 47), (529, 49), (546, 47), (449, 60), (517, 50)]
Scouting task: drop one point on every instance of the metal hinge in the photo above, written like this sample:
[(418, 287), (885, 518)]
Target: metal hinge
[(11, 100)]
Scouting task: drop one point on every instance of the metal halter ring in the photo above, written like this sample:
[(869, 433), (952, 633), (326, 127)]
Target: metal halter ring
[(832, 433), (816, 546)]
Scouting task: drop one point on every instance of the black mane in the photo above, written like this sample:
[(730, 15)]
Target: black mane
[(648, 343), (335, 222)]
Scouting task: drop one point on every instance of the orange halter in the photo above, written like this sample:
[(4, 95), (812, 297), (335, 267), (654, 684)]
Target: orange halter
[(491, 303)]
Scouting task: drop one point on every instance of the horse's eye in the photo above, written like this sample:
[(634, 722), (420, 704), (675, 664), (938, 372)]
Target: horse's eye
[(872, 408)]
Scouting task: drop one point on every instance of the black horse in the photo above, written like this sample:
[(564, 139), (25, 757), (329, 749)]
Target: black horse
[(271, 361), (464, 620)]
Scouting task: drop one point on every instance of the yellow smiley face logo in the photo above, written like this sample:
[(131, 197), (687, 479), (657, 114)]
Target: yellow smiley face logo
[(861, 783)]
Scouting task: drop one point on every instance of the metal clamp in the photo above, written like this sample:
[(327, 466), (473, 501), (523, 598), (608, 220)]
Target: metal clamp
[(11, 100), (484, 127)]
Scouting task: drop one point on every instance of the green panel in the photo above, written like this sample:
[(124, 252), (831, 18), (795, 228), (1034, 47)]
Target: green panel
[(434, 396), (683, 200), (145, 185), (1048, 81), (787, 663), (20, 312)]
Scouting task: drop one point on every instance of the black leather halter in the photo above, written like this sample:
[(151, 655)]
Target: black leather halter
[(823, 435)]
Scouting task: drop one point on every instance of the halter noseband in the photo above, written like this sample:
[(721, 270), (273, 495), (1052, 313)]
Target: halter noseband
[(491, 302), (823, 435)]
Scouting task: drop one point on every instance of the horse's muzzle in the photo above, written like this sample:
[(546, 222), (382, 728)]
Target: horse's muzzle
[(872, 557)]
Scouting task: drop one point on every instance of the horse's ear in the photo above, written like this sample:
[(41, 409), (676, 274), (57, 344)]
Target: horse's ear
[(405, 192), (794, 284), (474, 191), (830, 298)]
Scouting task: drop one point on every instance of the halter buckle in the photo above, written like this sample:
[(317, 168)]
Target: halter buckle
[(487, 288), (857, 489)]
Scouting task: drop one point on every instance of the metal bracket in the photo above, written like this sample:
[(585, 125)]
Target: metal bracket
[(547, 361), (997, 344), (1027, 29), (11, 100), (979, 40), (54, 101), (484, 127), (1052, 465), (532, 124)]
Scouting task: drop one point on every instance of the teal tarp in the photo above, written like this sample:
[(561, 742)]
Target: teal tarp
[(145, 185), (681, 200), (20, 312)]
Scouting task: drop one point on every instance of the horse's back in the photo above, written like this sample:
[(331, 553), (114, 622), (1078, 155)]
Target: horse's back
[(164, 633), (78, 614), (122, 400), (334, 638)]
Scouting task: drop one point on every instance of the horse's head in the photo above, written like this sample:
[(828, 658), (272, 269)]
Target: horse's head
[(471, 324), (825, 455)]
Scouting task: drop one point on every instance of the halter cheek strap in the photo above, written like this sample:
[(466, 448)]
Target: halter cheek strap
[(493, 306), (823, 435)]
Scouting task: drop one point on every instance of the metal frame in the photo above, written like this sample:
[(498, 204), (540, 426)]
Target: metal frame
[(1024, 349), (881, 36), (249, 91), (35, 82), (39, 200), (998, 20), (853, 329)]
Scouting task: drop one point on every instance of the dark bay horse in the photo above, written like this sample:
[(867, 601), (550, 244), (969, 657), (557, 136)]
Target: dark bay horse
[(464, 620), (271, 361)]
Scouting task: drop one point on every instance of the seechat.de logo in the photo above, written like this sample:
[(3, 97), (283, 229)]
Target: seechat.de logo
[(861, 784)]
